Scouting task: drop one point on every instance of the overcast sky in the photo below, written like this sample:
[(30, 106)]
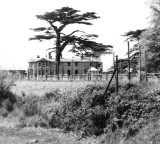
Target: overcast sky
[(18, 16)]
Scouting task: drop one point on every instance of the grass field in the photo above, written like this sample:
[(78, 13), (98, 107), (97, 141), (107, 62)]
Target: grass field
[(39, 88)]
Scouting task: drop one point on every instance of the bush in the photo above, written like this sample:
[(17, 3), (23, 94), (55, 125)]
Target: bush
[(91, 112), (94, 113), (30, 106), (6, 82), (7, 98)]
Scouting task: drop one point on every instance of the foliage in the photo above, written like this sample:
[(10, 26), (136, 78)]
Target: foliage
[(90, 112), (7, 98), (95, 113), (150, 38)]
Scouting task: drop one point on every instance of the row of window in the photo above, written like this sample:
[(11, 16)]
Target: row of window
[(43, 64), (69, 63), (43, 72), (69, 72)]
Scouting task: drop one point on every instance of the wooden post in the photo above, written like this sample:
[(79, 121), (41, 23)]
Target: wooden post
[(113, 62), (72, 69), (146, 79), (129, 75), (116, 86), (140, 79), (158, 75), (110, 81)]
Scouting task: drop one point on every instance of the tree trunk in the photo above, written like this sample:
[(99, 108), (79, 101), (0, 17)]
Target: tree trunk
[(58, 56), (57, 61)]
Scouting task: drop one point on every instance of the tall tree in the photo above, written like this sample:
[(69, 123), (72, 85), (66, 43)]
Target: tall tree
[(82, 44), (134, 36), (150, 39)]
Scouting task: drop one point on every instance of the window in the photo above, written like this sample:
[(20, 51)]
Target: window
[(46, 63), (43, 72), (69, 64), (39, 63), (43, 64), (68, 72), (76, 64), (76, 72), (39, 72)]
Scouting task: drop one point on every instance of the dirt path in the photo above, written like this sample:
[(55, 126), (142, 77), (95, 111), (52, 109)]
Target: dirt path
[(11, 134), (33, 135)]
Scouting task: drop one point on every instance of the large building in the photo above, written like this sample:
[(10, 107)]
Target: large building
[(46, 66)]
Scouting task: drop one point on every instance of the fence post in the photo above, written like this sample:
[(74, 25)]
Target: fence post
[(110, 81), (146, 66), (116, 85), (129, 75), (140, 79)]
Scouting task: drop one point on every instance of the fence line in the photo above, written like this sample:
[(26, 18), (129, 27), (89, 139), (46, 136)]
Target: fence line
[(86, 77)]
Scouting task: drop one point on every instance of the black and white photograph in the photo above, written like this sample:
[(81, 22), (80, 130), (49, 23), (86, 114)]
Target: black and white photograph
[(80, 72)]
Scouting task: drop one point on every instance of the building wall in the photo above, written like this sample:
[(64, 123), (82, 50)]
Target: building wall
[(68, 67)]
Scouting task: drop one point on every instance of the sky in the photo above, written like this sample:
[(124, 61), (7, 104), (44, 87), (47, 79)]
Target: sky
[(18, 16)]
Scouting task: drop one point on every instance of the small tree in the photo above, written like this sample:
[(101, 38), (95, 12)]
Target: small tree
[(83, 44)]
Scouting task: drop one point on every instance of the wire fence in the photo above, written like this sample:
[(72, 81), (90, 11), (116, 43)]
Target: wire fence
[(151, 77)]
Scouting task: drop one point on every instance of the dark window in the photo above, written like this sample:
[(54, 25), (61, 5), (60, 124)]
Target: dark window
[(69, 64), (68, 72), (76, 64), (39, 72), (46, 63), (43, 64), (39, 63), (76, 72)]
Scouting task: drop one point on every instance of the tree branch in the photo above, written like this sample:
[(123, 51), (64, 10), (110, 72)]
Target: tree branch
[(42, 37)]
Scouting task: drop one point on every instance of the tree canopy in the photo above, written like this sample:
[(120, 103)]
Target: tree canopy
[(148, 39), (82, 43)]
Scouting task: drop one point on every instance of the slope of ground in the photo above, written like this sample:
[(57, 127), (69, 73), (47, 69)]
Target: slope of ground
[(10, 133)]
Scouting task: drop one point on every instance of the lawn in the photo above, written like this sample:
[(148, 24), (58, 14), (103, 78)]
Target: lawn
[(39, 88)]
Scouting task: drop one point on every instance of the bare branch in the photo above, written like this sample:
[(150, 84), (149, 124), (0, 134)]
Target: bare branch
[(51, 48)]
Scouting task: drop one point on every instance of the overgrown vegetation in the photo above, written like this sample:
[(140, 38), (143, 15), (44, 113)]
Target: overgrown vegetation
[(7, 98), (90, 112), (86, 111)]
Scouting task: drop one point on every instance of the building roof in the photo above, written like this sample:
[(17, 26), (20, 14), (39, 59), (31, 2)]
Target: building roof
[(62, 60), (92, 69)]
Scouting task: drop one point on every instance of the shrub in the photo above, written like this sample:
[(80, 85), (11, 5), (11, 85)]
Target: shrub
[(91, 112), (7, 98), (30, 106), (94, 113), (6, 82)]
